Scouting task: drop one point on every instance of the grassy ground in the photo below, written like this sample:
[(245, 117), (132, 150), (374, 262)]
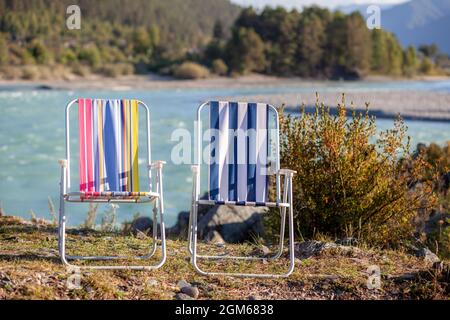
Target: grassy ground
[(30, 269)]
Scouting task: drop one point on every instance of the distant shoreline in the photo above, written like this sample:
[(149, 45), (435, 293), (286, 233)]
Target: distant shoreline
[(153, 81), (384, 103)]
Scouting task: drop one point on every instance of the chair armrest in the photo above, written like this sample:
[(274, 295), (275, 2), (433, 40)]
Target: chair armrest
[(287, 171), (62, 163), (195, 168), (157, 164)]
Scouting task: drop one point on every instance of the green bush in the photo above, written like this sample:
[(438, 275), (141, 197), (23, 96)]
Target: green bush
[(115, 70), (219, 67), (435, 228), (39, 51), (350, 180), (90, 55), (191, 70)]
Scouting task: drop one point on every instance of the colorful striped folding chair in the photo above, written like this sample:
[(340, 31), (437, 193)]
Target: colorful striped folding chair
[(108, 168), (243, 153)]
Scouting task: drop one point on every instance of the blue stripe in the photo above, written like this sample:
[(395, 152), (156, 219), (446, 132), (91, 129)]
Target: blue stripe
[(232, 165), (214, 166), (251, 163), (266, 198), (109, 141)]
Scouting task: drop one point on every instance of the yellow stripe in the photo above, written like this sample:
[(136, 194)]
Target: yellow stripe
[(127, 145), (134, 142)]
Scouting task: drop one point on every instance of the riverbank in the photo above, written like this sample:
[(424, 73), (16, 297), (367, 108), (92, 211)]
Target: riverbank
[(155, 81), (30, 269), (398, 96)]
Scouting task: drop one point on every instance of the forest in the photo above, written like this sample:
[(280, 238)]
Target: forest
[(194, 39)]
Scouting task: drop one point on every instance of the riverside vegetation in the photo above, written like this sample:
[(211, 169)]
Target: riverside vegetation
[(170, 38), (383, 203)]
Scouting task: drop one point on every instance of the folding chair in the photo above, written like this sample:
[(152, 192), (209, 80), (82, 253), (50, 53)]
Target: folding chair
[(239, 165), (108, 169)]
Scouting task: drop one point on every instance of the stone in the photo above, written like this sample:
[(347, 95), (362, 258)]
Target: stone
[(265, 250), (427, 255), (141, 224), (347, 241), (182, 296), (152, 282), (183, 283), (214, 237), (193, 292), (253, 297), (306, 249), (235, 224)]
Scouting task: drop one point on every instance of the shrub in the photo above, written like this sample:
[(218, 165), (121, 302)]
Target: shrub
[(39, 51), (435, 228), (349, 181), (219, 67), (30, 73), (191, 70), (90, 55), (115, 70)]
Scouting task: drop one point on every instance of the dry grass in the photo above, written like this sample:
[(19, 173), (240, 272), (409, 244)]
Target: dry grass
[(30, 269)]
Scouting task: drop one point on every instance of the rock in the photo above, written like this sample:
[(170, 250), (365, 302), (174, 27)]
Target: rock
[(182, 296), (265, 250), (152, 282), (183, 283), (348, 241), (253, 297), (214, 237), (190, 291), (141, 224), (307, 249), (427, 255), (234, 224)]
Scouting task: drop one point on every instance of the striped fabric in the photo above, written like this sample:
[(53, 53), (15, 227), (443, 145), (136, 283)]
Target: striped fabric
[(239, 151), (108, 135)]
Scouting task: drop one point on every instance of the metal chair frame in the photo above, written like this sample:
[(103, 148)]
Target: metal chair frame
[(152, 196), (284, 203)]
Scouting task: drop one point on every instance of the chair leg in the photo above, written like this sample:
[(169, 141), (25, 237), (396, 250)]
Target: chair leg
[(159, 206), (288, 193), (279, 251)]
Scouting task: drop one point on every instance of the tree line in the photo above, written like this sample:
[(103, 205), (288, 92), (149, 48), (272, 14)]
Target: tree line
[(315, 43), (121, 37)]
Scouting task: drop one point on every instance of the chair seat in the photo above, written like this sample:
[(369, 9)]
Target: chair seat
[(244, 203), (112, 196)]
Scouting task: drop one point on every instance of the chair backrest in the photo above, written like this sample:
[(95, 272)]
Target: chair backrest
[(239, 151), (108, 145)]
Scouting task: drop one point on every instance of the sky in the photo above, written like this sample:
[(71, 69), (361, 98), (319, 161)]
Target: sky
[(323, 3)]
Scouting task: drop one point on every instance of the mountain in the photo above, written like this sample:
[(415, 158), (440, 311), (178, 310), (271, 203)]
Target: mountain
[(414, 22), (420, 22)]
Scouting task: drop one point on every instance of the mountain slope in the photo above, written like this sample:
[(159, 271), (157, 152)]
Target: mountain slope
[(420, 22)]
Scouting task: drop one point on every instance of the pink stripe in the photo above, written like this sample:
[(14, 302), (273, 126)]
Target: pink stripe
[(89, 153), (82, 140)]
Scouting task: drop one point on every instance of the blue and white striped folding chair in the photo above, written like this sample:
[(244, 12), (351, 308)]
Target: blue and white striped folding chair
[(108, 168), (243, 152)]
